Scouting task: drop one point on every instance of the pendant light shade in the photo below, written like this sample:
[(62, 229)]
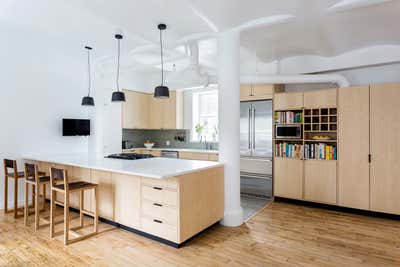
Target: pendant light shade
[(118, 96), (88, 100), (161, 91)]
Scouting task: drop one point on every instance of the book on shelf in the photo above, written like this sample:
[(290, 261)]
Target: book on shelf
[(288, 117), (286, 150), (320, 151)]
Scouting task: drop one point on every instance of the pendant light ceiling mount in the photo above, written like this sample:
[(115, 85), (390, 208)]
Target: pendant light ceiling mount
[(88, 100), (161, 91), (118, 96)]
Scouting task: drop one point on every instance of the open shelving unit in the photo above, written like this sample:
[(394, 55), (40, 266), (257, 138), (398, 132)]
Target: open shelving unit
[(319, 134)]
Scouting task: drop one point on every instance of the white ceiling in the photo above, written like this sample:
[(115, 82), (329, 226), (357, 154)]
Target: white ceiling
[(285, 29)]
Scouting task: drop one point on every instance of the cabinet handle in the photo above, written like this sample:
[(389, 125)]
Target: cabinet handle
[(157, 204), (157, 188), (157, 221)]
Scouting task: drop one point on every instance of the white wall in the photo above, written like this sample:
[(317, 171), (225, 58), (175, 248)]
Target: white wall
[(40, 85)]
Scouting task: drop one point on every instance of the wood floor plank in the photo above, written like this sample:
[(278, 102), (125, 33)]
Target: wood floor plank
[(281, 235)]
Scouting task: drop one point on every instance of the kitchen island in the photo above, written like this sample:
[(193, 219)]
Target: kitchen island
[(169, 200)]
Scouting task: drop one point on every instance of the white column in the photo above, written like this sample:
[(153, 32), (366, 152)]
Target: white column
[(229, 125)]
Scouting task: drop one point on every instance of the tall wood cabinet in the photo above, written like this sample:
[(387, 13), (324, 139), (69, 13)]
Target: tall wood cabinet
[(135, 111), (353, 182), (385, 148)]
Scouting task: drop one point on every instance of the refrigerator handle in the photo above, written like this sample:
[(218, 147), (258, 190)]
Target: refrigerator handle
[(249, 133), (254, 128)]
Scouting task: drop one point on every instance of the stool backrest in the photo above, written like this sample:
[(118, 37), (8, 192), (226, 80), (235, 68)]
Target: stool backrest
[(10, 164), (58, 175), (31, 171)]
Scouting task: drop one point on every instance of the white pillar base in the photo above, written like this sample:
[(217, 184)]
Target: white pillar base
[(233, 218)]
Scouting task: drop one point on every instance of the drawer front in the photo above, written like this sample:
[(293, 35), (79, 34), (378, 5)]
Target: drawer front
[(164, 183), (213, 157), (157, 210), (159, 228), (159, 194)]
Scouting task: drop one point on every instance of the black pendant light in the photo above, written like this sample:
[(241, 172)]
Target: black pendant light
[(118, 96), (88, 100), (161, 91)]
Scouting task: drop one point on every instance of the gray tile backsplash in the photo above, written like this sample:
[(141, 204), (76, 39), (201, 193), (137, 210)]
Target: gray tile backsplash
[(137, 137)]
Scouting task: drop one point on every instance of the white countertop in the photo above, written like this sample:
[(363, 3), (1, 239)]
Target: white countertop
[(175, 149), (158, 168)]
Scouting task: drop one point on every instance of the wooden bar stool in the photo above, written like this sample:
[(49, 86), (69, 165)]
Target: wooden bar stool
[(11, 171), (33, 178), (59, 183)]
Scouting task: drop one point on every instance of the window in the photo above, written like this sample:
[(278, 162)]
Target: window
[(205, 116)]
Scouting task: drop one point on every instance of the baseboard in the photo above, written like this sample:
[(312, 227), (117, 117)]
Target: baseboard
[(339, 208)]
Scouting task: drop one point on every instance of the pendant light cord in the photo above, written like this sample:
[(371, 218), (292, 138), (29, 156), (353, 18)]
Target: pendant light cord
[(89, 76), (118, 65), (162, 61)]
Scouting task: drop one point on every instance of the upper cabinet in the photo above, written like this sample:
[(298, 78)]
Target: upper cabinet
[(143, 111), (320, 98), (288, 101), (135, 111), (250, 92)]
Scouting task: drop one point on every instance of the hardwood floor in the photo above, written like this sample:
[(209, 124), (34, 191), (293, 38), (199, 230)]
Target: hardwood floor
[(280, 235)]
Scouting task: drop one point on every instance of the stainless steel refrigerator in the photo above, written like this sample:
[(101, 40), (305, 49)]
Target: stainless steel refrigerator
[(256, 129), (256, 147)]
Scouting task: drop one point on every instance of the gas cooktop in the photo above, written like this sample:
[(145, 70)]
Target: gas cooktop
[(129, 156)]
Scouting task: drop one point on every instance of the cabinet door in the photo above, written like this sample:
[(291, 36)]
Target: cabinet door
[(105, 193), (353, 138), (127, 199), (245, 91), (320, 98), (263, 91), (169, 112), (288, 178), (193, 155), (135, 111), (320, 181), (287, 101), (385, 148)]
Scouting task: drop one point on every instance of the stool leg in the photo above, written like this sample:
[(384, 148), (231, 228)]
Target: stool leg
[(15, 198), (33, 195), (5, 194), (37, 187), (44, 197), (26, 208), (96, 211), (66, 217), (52, 211), (81, 207)]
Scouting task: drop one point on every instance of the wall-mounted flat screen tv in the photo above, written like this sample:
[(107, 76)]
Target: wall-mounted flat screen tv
[(73, 127)]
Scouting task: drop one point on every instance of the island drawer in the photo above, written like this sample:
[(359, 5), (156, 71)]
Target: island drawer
[(159, 194), (159, 228), (168, 182), (160, 211)]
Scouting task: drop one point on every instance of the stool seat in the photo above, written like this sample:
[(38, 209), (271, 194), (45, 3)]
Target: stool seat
[(22, 174), (42, 179), (76, 186)]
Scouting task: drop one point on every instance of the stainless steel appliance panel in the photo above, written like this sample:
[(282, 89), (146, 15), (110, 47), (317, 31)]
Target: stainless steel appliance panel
[(245, 129), (262, 129)]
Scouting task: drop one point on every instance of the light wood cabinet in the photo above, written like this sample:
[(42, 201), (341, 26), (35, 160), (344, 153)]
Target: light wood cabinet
[(105, 193), (320, 181), (143, 111), (198, 156), (127, 199), (385, 148), (353, 164), (135, 111), (288, 101), (251, 92), (288, 178), (320, 98)]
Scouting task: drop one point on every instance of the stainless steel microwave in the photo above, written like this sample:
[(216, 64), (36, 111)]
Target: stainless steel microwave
[(288, 131)]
